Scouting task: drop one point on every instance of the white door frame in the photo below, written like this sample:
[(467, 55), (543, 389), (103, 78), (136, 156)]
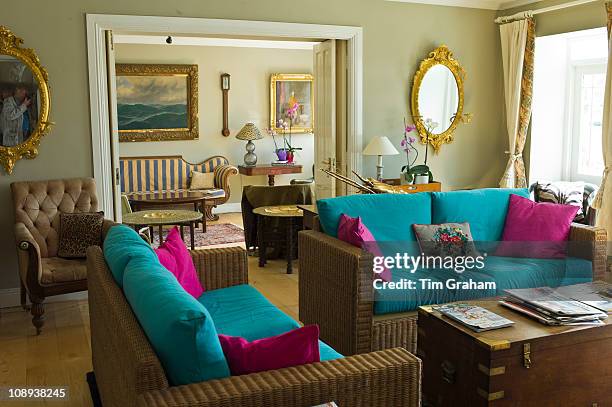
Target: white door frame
[(97, 24)]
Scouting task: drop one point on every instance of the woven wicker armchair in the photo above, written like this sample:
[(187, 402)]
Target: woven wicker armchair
[(337, 276), (128, 373)]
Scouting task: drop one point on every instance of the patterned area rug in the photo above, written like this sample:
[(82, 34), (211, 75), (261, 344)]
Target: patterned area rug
[(216, 235)]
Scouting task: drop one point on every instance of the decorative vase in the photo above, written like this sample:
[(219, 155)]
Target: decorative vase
[(404, 179), (421, 179), (281, 154), (250, 158), (290, 157)]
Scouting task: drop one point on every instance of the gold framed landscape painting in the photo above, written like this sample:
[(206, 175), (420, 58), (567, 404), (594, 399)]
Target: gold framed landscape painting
[(285, 91), (157, 102)]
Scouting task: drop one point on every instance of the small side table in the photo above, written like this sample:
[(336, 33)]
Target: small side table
[(142, 200), (311, 216), (290, 216), (161, 218)]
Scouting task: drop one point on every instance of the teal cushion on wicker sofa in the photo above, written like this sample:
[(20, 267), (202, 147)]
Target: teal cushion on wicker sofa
[(388, 216), (121, 244), (506, 272), (242, 311), (179, 328), (484, 209)]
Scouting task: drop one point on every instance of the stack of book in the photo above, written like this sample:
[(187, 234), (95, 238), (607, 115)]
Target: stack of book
[(551, 307), (474, 317)]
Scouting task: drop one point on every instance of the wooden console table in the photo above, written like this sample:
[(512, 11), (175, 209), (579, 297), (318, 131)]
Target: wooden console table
[(269, 170)]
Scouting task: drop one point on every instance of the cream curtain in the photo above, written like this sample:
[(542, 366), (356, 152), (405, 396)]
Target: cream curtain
[(603, 200), (517, 44)]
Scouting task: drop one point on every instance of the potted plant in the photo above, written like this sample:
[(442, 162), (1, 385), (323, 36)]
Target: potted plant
[(417, 174), (288, 150), (281, 153), (407, 144)]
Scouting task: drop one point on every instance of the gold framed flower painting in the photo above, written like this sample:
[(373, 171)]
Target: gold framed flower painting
[(292, 103), (157, 102)]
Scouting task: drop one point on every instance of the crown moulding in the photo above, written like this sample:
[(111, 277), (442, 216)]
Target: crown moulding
[(482, 4)]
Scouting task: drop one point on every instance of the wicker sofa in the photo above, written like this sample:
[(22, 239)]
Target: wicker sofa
[(128, 372), (337, 276), (172, 173)]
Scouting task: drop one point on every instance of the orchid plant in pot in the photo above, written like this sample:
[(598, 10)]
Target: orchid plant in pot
[(291, 114), (418, 174), (287, 152)]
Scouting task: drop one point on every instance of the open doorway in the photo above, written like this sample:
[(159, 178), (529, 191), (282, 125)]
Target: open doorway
[(164, 82), (105, 50)]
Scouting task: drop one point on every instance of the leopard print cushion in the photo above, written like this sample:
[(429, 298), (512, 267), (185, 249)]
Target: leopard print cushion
[(77, 232)]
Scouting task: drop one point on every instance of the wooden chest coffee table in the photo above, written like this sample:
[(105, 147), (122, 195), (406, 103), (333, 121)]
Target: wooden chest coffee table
[(528, 364)]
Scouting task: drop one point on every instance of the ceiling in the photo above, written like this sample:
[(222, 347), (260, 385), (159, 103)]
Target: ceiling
[(486, 4)]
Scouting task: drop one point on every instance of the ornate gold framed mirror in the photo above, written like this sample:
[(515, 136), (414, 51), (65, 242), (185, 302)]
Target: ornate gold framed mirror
[(24, 101), (437, 98)]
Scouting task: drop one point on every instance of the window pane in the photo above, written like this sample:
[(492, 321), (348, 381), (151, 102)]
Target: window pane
[(590, 160)]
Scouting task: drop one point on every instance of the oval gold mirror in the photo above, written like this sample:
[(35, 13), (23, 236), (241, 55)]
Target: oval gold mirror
[(24, 101), (437, 97)]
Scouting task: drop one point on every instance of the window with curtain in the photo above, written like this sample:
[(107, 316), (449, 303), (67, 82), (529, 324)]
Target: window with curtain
[(568, 98), (586, 159)]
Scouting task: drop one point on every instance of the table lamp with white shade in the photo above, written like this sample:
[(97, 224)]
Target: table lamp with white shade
[(380, 146), (249, 132)]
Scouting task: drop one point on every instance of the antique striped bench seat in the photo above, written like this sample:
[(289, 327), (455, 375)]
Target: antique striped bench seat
[(173, 173)]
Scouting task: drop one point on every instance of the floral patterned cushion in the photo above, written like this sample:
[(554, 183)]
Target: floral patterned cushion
[(445, 239)]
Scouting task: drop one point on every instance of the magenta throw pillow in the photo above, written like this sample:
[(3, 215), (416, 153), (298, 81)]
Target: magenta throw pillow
[(175, 257), (353, 231), (536, 230), (297, 347)]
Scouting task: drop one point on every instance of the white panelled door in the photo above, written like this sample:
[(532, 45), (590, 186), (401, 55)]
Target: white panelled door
[(112, 125), (325, 117)]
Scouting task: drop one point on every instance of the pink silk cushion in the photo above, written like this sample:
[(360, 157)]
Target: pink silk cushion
[(297, 347), (353, 231), (175, 257), (536, 230)]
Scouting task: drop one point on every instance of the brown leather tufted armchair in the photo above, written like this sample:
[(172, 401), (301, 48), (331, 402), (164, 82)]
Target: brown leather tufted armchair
[(37, 207)]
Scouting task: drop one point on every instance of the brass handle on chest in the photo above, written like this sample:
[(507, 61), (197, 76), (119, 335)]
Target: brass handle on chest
[(527, 355)]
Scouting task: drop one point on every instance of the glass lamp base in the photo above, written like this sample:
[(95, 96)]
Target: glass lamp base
[(250, 158)]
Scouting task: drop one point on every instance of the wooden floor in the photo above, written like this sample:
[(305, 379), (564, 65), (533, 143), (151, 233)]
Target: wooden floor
[(61, 355)]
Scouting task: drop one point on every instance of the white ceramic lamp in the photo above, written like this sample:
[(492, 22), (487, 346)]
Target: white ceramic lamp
[(380, 146)]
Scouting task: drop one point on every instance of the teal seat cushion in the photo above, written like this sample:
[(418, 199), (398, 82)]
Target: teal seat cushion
[(180, 329), (120, 246), (243, 311), (506, 272), (388, 216), (484, 209), (326, 352)]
